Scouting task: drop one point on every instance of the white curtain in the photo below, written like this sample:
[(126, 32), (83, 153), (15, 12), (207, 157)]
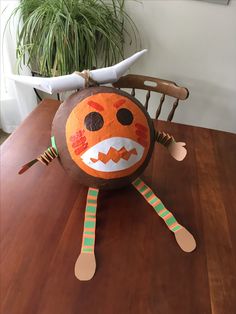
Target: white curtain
[(16, 100)]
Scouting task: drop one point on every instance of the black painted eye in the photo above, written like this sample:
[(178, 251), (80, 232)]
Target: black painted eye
[(124, 116), (93, 121)]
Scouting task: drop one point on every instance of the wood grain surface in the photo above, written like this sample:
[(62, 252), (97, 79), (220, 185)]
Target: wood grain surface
[(140, 268)]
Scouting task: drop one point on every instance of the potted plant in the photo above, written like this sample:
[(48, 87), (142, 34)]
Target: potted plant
[(57, 37)]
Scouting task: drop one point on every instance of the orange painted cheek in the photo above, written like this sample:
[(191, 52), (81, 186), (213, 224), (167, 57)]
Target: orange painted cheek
[(142, 134), (78, 142)]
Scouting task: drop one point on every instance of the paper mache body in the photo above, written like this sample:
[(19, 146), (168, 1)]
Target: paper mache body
[(104, 137)]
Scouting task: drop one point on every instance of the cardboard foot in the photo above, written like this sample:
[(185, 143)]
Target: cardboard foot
[(185, 240), (85, 266)]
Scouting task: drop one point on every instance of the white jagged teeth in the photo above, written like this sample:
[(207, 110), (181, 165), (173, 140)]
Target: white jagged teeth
[(104, 146)]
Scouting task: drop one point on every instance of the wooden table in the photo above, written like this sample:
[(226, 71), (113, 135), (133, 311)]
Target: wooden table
[(140, 268)]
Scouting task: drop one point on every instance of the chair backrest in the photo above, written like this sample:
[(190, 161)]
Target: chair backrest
[(152, 84)]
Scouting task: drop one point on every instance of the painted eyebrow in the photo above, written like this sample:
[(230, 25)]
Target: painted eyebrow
[(119, 103), (95, 105)]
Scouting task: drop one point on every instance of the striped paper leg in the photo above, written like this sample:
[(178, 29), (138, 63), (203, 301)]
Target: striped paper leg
[(157, 204), (88, 241), (182, 235), (85, 265)]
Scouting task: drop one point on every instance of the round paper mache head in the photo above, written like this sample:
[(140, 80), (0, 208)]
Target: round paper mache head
[(104, 137)]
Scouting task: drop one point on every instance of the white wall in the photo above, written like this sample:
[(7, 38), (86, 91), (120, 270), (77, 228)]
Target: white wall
[(16, 100), (194, 44)]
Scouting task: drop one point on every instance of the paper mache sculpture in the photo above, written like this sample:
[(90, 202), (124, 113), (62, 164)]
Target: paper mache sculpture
[(104, 138)]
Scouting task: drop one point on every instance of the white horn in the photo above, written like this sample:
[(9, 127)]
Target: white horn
[(74, 81)]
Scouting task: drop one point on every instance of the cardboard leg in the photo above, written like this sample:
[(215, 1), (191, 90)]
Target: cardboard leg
[(183, 237), (85, 265)]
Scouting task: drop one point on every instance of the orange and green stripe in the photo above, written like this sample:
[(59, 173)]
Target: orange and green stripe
[(157, 204), (88, 241)]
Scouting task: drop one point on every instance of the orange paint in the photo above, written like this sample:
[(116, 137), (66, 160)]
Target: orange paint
[(156, 203), (141, 127), (115, 155), (95, 105), (80, 140), (119, 103)]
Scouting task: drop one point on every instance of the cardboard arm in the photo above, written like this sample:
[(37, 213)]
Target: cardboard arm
[(176, 149), (45, 158)]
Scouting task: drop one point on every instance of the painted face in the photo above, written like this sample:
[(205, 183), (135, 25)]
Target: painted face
[(108, 135)]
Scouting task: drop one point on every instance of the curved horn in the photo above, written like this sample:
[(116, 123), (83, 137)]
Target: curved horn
[(74, 81)]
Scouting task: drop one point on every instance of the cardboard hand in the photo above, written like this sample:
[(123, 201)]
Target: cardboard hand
[(177, 150)]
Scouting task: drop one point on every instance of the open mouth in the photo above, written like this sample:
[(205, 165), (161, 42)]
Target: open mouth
[(113, 154)]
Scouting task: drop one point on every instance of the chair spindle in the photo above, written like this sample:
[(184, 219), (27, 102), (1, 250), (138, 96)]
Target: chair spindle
[(147, 99), (133, 92), (158, 112), (171, 114)]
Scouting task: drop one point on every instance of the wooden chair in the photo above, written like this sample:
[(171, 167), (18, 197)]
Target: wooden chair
[(152, 84)]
